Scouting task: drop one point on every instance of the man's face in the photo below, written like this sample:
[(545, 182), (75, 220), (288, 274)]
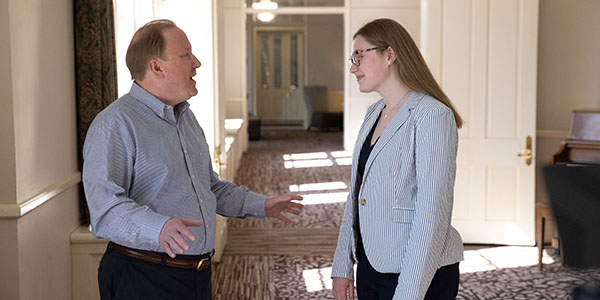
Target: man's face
[(179, 66)]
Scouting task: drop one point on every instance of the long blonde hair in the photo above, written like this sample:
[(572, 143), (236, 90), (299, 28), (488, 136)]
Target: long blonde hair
[(410, 65)]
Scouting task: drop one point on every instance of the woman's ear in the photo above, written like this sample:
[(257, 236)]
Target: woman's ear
[(391, 55)]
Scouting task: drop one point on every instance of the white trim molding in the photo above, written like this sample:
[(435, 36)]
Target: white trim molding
[(17, 210), (319, 10)]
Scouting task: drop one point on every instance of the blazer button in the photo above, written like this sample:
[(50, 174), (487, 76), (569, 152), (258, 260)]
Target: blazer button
[(363, 201)]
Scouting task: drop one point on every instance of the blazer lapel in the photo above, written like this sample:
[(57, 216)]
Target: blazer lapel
[(399, 119), (362, 135)]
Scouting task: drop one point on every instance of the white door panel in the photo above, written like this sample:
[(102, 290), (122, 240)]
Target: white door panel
[(482, 57), (279, 75)]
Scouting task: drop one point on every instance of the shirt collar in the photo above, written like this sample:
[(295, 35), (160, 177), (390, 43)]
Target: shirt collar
[(164, 111)]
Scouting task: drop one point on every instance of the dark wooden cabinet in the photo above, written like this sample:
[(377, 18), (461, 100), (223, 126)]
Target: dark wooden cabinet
[(582, 148)]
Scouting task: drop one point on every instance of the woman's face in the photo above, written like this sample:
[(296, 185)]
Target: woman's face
[(373, 68)]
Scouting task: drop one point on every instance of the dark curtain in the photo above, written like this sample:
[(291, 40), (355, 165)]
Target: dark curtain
[(95, 68)]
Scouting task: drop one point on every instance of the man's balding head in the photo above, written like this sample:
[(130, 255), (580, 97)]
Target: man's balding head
[(148, 42)]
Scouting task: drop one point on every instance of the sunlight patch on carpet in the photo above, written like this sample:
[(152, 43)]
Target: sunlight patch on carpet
[(324, 198), (317, 159), (344, 161), (317, 279), (301, 156), (313, 163), (341, 154), (504, 257), (320, 186)]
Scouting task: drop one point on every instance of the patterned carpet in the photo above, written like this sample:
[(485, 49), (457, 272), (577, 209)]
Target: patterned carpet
[(273, 260)]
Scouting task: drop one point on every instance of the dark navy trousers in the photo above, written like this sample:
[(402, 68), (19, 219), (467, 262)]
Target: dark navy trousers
[(124, 277), (371, 284)]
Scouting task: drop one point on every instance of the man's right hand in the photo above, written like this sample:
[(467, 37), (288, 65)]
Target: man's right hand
[(343, 288), (171, 238)]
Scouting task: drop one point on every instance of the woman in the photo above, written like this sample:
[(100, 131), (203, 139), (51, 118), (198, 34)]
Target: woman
[(396, 224)]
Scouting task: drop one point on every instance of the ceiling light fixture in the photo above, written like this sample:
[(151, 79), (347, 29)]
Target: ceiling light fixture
[(266, 17), (265, 5)]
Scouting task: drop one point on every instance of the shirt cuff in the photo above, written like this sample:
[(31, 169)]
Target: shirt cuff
[(152, 226), (344, 271), (254, 206)]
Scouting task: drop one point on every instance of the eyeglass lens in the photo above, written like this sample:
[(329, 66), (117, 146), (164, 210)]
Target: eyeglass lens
[(355, 58)]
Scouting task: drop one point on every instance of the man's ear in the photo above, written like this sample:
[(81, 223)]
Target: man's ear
[(155, 68)]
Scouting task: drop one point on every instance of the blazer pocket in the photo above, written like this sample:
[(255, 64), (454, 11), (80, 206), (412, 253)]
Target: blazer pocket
[(402, 215)]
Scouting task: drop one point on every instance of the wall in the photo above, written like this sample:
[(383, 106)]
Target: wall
[(39, 209), (568, 72), (231, 64), (43, 93), (45, 248), (325, 55), (7, 132)]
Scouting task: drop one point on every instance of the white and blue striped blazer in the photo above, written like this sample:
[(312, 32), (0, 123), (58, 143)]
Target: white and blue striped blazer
[(407, 188)]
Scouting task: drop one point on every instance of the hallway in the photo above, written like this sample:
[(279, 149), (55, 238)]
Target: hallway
[(273, 260)]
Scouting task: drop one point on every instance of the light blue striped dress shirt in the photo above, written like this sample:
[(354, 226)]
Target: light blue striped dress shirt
[(146, 162)]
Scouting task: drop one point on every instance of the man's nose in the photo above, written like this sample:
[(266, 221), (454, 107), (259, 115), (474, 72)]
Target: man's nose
[(196, 62)]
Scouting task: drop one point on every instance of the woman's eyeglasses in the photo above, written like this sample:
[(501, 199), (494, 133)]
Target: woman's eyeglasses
[(356, 56)]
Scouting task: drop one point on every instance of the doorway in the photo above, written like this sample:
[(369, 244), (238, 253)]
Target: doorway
[(279, 76), (287, 54)]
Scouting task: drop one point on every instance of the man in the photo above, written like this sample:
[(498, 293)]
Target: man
[(149, 182)]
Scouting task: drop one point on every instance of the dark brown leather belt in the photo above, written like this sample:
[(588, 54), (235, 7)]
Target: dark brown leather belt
[(156, 258)]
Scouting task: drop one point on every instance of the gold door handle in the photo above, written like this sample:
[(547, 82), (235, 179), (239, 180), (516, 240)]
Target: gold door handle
[(528, 155), (217, 158)]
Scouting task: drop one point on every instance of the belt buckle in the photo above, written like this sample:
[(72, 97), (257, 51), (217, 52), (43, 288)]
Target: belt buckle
[(201, 262)]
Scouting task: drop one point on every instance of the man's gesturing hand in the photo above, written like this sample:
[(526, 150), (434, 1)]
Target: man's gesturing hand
[(274, 206), (171, 238)]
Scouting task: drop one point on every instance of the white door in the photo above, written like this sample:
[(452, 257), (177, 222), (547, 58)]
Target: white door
[(279, 76), (484, 54)]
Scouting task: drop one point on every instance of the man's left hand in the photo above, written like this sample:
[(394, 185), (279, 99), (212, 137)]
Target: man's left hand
[(276, 205)]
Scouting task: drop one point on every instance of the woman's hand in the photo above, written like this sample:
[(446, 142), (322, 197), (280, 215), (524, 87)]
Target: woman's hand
[(343, 288)]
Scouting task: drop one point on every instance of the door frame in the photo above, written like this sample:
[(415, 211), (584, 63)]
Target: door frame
[(305, 11), (255, 44)]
